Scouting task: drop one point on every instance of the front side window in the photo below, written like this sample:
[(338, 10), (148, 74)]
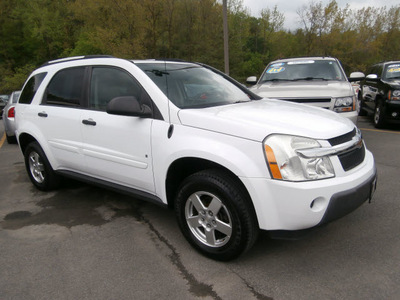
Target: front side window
[(65, 88), (307, 69), (193, 86), (108, 83), (30, 88)]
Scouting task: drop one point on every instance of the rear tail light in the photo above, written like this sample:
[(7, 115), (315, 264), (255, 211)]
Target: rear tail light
[(11, 112)]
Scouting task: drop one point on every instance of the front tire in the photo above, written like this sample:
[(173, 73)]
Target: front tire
[(215, 215), (39, 169)]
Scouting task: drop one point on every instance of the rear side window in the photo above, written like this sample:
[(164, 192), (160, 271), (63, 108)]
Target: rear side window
[(31, 87), (65, 88)]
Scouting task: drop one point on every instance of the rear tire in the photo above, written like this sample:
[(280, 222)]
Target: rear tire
[(215, 215), (361, 111), (11, 139), (39, 169), (379, 115)]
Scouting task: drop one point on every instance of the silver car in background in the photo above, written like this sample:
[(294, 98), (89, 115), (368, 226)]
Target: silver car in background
[(8, 117), (3, 102), (316, 81)]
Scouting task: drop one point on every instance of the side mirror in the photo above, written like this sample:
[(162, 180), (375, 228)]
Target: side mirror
[(356, 76), (251, 80), (372, 77), (128, 106)]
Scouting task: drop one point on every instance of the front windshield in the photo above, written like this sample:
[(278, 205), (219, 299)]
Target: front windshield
[(392, 72), (193, 86), (307, 69)]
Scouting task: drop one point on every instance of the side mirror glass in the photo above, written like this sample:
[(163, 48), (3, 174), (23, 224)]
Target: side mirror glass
[(128, 106)]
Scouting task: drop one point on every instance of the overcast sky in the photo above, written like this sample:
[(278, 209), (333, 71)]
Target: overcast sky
[(289, 7)]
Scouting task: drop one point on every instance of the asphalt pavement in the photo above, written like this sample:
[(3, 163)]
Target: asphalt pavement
[(83, 242)]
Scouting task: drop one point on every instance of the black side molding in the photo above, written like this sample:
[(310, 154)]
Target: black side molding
[(114, 187)]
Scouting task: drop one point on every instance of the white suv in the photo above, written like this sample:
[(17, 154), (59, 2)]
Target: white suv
[(316, 81), (187, 136)]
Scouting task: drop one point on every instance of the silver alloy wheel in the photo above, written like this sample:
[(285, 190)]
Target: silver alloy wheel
[(36, 167), (208, 219)]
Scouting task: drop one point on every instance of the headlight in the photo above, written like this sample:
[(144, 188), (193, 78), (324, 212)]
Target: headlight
[(394, 95), (286, 163), (344, 104)]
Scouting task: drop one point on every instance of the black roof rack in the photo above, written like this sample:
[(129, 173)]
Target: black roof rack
[(72, 58)]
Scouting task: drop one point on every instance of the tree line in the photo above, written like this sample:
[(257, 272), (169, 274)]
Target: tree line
[(35, 31)]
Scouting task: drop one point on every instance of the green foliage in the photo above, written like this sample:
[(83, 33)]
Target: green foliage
[(36, 31)]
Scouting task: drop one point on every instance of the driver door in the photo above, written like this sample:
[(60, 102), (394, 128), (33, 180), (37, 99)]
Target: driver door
[(116, 148)]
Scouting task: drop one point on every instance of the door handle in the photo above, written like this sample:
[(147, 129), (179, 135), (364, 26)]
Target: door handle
[(89, 122), (42, 114)]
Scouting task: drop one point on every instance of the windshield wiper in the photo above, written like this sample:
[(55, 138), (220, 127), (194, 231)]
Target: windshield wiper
[(310, 78), (242, 101), (275, 79)]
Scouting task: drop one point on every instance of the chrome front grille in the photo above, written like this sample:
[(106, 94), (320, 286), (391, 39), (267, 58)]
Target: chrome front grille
[(349, 148), (350, 159)]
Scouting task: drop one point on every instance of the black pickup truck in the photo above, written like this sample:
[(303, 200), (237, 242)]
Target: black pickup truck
[(380, 93)]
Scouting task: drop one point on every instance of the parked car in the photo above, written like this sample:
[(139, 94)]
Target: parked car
[(8, 117), (380, 93), (187, 136), (3, 102), (317, 81)]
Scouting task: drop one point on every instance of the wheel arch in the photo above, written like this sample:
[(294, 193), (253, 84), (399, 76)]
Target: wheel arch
[(24, 140), (184, 167)]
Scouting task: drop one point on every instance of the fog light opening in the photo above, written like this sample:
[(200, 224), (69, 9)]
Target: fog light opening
[(318, 204)]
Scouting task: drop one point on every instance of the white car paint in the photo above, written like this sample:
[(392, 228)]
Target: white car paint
[(231, 136)]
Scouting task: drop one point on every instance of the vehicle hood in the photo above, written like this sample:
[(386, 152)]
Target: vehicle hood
[(303, 89), (257, 119), (395, 83)]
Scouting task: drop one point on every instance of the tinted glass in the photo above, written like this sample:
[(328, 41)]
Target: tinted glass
[(65, 88), (193, 86), (31, 87), (108, 83), (303, 70)]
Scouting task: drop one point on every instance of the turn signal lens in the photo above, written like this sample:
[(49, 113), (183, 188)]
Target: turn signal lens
[(273, 165)]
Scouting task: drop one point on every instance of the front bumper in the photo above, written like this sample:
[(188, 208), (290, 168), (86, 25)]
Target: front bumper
[(282, 205), (345, 202), (351, 115), (392, 111)]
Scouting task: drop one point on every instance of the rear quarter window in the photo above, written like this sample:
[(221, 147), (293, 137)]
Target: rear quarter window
[(30, 88)]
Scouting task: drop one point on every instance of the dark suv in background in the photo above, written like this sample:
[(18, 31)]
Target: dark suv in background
[(380, 93)]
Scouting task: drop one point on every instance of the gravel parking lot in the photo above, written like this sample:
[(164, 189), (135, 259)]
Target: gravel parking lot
[(83, 242)]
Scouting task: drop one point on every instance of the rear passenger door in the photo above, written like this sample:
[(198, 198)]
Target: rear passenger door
[(58, 117), (116, 148)]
